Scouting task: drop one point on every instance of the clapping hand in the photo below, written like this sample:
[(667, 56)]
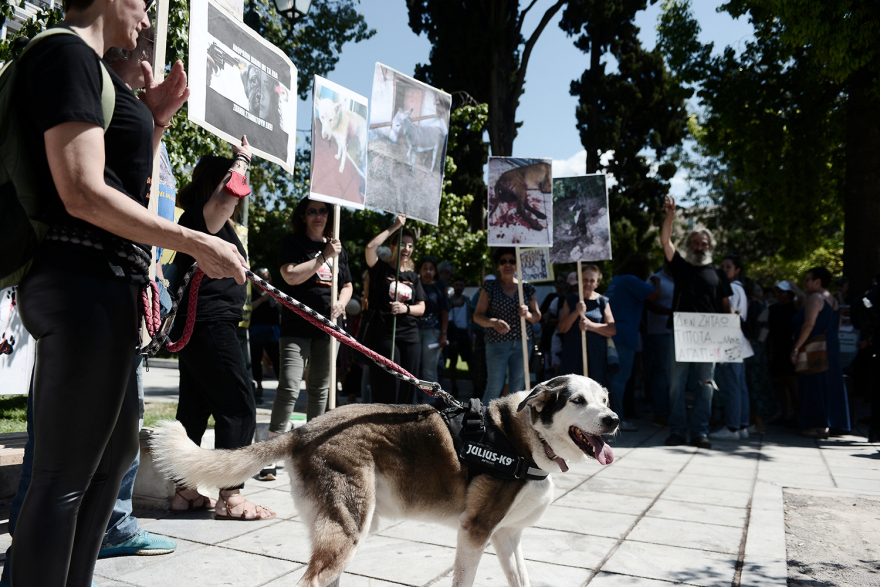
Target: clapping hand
[(164, 98)]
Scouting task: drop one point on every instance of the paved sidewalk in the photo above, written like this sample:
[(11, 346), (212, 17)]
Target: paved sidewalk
[(656, 516)]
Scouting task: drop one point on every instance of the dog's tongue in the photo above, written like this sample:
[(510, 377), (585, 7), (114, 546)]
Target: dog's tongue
[(552, 456), (604, 454)]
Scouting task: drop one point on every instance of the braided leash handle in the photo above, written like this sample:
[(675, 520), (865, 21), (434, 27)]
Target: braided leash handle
[(190, 314)]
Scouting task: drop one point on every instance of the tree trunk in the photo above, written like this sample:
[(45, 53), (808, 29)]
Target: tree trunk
[(861, 251)]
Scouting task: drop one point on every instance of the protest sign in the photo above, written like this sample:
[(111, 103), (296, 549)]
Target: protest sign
[(17, 366), (406, 152), (339, 145), (241, 84), (520, 202), (707, 338), (536, 265), (581, 226)]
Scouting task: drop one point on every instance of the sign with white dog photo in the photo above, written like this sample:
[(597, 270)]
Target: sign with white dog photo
[(581, 225), (241, 84), (520, 202), (339, 145), (406, 153)]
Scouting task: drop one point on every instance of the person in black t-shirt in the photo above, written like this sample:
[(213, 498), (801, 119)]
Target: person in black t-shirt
[(264, 332), (307, 257), (214, 379), (77, 301), (394, 300), (700, 286), (434, 324)]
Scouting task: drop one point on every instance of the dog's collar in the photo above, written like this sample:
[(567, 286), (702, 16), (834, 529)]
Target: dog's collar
[(551, 454), (484, 448)]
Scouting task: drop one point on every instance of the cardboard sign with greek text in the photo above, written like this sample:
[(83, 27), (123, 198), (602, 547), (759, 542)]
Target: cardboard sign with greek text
[(707, 338)]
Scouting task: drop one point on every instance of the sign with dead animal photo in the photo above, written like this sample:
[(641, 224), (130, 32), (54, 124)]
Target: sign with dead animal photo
[(520, 202), (339, 145), (406, 153), (241, 84), (581, 226)]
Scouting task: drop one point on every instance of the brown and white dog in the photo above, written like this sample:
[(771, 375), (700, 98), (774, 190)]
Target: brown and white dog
[(359, 463)]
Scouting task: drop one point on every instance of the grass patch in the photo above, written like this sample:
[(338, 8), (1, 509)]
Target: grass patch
[(156, 412), (13, 413)]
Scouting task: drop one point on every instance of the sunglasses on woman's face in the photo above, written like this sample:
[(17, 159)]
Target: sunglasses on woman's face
[(317, 212), (507, 261)]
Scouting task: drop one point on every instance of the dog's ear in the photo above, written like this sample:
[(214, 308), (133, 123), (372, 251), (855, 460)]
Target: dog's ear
[(337, 106), (538, 398)]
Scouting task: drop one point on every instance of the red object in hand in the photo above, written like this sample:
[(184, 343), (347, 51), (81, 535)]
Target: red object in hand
[(237, 185)]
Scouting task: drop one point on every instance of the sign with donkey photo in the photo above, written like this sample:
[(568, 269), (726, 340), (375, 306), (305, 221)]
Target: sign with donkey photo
[(581, 226), (520, 202), (339, 145), (406, 153), (241, 84)]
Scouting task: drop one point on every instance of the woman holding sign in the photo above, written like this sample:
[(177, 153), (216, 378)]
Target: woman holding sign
[(396, 301), (307, 257), (593, 316), (498, 311)]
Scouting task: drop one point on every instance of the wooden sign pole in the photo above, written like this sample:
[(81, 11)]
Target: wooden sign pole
[(334, 297), (583, 334), (522, 324)]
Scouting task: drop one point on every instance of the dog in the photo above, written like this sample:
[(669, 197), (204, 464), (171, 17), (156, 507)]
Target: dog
[(513, 187), (342, 125), (418, 139), (359, 463)]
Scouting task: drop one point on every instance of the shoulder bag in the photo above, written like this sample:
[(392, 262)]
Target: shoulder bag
[(812, 357)]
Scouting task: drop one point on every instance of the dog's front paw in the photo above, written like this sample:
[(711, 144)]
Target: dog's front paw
[(337, 156)]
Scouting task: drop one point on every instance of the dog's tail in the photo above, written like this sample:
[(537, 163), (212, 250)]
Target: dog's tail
[(183, 462)]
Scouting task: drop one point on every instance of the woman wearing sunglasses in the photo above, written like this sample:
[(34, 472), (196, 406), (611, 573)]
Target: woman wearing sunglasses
[(498, 311), (307, 258), (393, 297), (80, 302)]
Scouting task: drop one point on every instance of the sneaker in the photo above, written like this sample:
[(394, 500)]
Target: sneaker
[(702, 442), (268, 474), (743, 433), (626, 426), (676, 440), (724, 434), (143, 543)]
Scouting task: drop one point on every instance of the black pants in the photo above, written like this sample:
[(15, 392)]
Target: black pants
[(257, 348), (386, 388), (215, 381), (85, 421)]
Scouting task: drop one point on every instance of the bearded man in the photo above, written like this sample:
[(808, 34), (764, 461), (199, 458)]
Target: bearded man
[(702, 287)]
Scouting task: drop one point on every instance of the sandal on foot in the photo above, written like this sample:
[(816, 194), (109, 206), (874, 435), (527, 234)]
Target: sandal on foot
[(257, 512), (204, 503)]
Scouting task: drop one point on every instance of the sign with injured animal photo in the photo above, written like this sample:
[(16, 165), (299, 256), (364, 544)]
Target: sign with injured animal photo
[(241, 84), (339, 145), (406, 152), (520, 202), (581, 226)]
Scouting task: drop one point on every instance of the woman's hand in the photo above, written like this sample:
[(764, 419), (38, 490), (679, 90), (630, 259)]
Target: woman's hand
[(794, 357), (399, 308), (442, 340), (669, 206), (337, 310), (581, 307), (219, 259), (584, 324), (244, 148), (333, 248), (398, 222), (500, 326), (524, 311), (165, 98)]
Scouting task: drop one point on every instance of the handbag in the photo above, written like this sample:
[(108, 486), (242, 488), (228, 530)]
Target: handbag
[(812, 358)]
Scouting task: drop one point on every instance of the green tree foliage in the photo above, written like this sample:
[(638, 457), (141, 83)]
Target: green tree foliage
[(790, 138), (637, 112)]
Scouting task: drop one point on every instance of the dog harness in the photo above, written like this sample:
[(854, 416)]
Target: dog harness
[(483, 447)]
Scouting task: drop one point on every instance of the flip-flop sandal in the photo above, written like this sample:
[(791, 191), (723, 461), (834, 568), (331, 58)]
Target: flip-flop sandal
[(191, 503), (243, 516)]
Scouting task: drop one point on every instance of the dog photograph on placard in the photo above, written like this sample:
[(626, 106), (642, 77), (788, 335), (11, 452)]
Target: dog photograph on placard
[(409, 126), (581, 225), (520, 201), (241, 84), (339, 145)]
